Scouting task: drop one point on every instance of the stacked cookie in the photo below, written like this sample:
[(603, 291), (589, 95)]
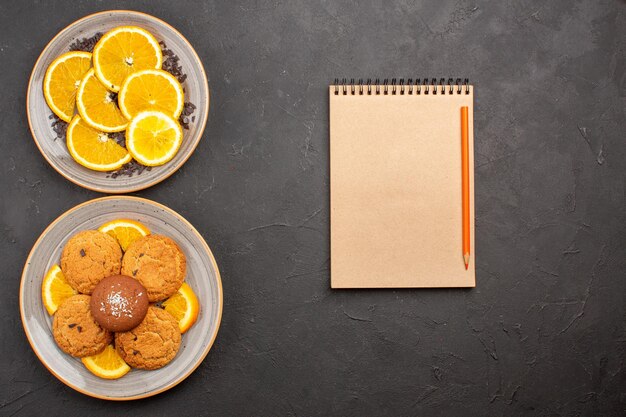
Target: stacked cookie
[(118, 298)]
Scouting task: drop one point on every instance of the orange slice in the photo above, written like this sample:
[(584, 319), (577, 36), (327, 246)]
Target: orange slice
[(122, 51), (107, 364), (98, 106), (94, 149), (125, 231), (184, 306), (55, 289), (153, 138), (151, 90), (61, 82)]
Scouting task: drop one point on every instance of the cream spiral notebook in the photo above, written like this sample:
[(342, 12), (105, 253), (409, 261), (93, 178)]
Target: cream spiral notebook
[(395, 184)]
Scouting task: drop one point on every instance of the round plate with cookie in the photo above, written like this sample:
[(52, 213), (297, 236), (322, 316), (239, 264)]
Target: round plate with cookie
[(121, 298)]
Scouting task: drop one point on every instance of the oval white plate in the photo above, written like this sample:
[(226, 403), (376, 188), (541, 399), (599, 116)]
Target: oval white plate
[(202, 275), (55, 151)]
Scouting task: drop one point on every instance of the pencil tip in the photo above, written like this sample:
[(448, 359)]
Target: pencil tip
[(466, 259)]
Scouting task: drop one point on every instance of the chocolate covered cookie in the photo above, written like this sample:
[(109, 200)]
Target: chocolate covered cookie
[(119, 303)]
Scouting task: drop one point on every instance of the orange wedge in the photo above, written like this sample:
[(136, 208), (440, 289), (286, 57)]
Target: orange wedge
[(61, 82), (94, 149), (125, 231), (122, 51), (184, 306), (153, 138), (151, 89), (55, 289), (98, 106), (106, 364)]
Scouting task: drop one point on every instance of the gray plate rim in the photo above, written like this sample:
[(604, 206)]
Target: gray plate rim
[(138, 187), (68, 213)]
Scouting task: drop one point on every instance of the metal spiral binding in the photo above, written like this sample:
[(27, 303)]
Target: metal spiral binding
[(400, 87)]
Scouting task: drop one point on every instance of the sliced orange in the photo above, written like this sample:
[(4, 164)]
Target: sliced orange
[(151, 89), (107, 364), (55, 289), (61, 82), (122, 51), (153, 138), (184, 306), (125, 231), (98, 106), (94, 149)]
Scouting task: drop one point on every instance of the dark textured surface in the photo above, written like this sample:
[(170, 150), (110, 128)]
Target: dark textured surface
[(543, 334)]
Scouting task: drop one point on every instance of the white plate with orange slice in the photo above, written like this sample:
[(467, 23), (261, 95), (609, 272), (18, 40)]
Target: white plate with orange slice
[(117, 101), (197, 305)]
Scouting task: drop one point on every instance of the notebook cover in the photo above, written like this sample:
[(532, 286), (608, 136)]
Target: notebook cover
[(395, 190)]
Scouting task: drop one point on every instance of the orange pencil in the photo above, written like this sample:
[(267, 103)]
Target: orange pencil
[(466, 190)]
